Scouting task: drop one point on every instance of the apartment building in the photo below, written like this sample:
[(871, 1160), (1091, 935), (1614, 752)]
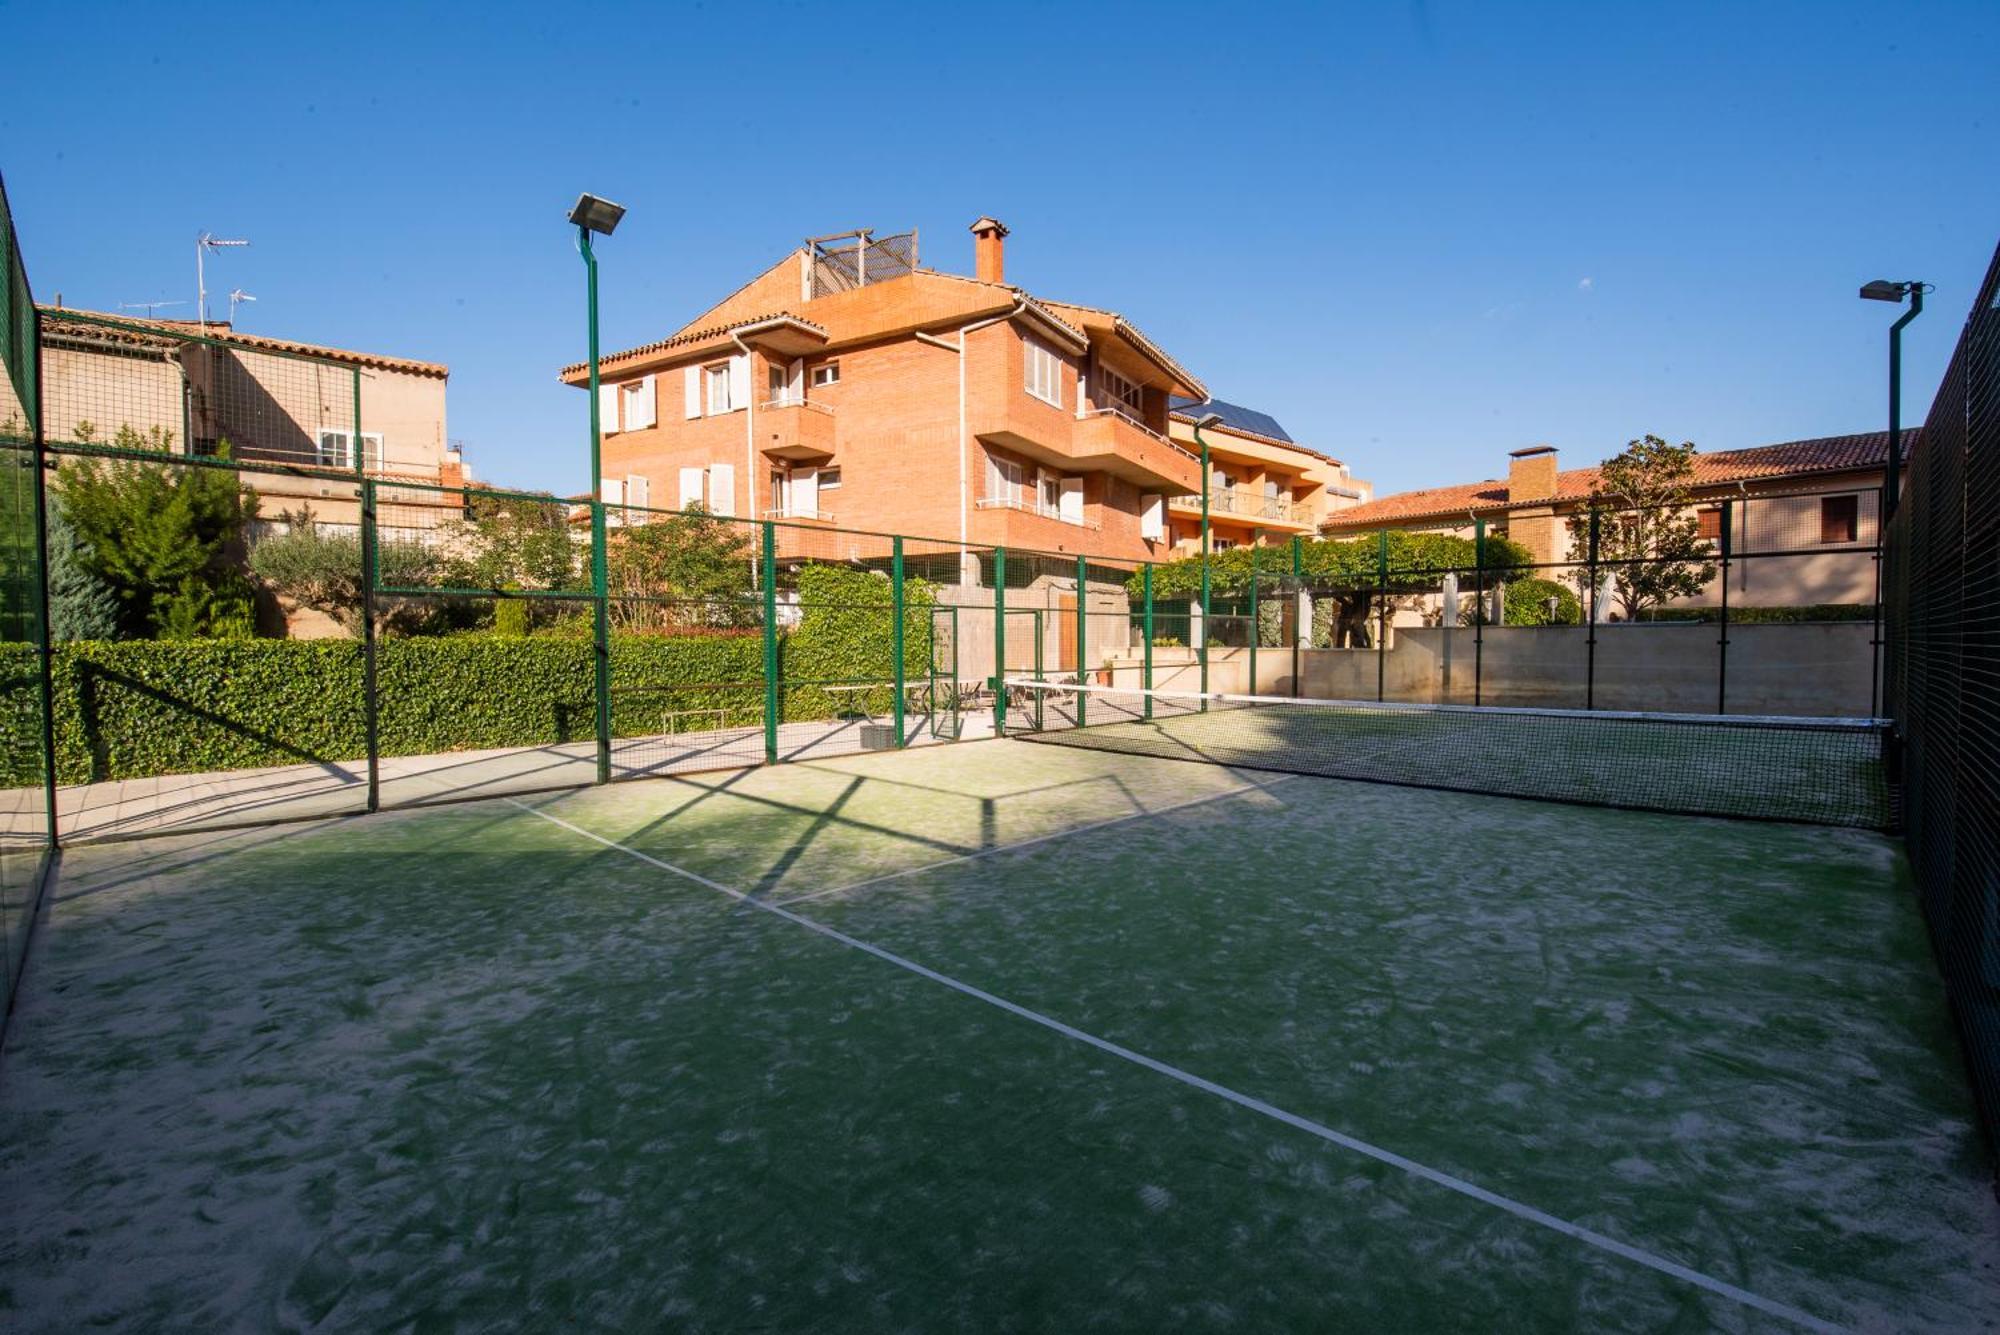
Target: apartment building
[(1804, 514), (847, 386), (1264, 487)]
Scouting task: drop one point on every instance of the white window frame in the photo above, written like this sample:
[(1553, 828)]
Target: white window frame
[(1041, 371), (1006, 480), (340, 456), (826, 373), (716, 375), (777, 383), (832, 472), (637, 407)]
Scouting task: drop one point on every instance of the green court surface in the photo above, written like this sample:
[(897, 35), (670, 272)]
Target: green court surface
[(1000, 1036)]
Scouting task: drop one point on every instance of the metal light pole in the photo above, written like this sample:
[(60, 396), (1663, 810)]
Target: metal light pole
[(592, 214), (1892, 472), (1207, 419)]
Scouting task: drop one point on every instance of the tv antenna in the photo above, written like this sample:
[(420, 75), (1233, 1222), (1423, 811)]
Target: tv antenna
[(237, 296), (204, 243), (147, 306)]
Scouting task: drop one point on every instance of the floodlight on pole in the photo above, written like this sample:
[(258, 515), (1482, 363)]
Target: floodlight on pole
[(1892, 470), (596, 215), (593, 214), (202, 245)]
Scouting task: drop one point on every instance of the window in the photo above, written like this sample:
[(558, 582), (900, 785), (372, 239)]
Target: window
[(1043, 376), (719, 400), (1708, 524), (1115, 391), (826, 373), (1051, 497), (1216, 544), (334, 452), (829, 479), (774, 384), (1005, 480), (636, 399), (1839, 518)]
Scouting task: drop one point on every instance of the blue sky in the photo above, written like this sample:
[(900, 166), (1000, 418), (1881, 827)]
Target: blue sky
[(1420, 235)]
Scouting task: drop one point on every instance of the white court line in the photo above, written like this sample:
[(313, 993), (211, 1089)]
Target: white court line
[(1438, 1177), (1125, 819)]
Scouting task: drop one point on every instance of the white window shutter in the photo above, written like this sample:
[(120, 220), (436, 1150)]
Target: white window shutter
[(644, 406), (722, 489), (739, 380), (638, 490), (690, 487), (805, 494), (693, 384), (607, 408), (1153, 518), (798, 380), (613, 491), (1072, 500)]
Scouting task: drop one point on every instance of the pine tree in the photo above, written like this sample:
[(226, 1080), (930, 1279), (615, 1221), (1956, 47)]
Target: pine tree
[(81, 606)]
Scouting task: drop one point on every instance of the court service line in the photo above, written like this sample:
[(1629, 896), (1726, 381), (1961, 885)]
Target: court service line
[(1437, 1177), (1126, 819)]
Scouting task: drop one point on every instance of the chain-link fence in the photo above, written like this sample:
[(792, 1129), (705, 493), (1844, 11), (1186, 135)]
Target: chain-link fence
[(1944, 680)]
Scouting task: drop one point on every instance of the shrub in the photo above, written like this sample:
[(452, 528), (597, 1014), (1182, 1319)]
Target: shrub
[(1763, 616), (320, 568), (1526, 603), (845, 635)]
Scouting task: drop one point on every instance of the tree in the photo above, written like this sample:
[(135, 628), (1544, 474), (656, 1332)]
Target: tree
[(165, 539), (520, 543), (81, 605), (321, 568), (1648, 539), (681, 572)]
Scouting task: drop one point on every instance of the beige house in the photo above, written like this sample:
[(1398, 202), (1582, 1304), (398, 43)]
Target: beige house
[(191, 390), (1803, 515), (1264, 487)]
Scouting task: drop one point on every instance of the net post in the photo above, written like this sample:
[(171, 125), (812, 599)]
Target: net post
[(1382, 615), (1082, 632), (371, 575), (1722, 637), (1299, 632), (770, 545), (1256, 627), (1478, 606), (896, 643), (1146, 630), (1590, 633), (999, 641)]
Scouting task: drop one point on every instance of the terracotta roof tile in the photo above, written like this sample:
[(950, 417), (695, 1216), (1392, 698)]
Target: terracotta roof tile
[(1796, 458), (124, 329), (684, 338)]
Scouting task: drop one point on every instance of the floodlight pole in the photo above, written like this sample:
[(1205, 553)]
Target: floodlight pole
[(599, 586), (1202, 650), (1892, 474)]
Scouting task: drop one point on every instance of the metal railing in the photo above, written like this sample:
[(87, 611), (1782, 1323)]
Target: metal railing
[(787, 401), (1030, 506), (816, 516), (1121, 414), (1230, 500)]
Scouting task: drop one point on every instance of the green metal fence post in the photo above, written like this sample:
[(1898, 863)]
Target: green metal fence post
[(1299, 633), (1478, 606), (45, 640), (1082, 633), (1722, 638), (600, 589), (1382, 615), (1146, 629), (1256, 626), (896, 611), (999, 641), (771, 697), (1590, 635), (371, 574)]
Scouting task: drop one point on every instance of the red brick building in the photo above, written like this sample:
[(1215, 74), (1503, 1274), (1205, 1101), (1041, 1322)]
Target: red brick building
[(846, 386)]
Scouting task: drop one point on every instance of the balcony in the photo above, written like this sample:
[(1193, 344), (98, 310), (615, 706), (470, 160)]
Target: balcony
[(797, 516), (1253, 507), (1106, 441), (797, 430), (1029, 506)]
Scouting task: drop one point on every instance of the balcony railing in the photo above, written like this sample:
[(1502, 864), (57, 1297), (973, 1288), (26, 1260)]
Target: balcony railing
[(1227, 500), (1137, 425), (1028, 506), (810, 405), (817, 516)]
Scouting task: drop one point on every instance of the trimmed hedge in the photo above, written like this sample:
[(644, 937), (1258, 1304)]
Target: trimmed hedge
[(1767, 616)]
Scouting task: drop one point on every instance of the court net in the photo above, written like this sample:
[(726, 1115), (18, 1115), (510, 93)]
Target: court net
[(1812, 770)]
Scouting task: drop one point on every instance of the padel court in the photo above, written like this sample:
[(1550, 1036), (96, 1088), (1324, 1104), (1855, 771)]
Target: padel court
[(1002, 1035)]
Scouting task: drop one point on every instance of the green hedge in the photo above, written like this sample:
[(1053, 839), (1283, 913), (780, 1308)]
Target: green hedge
[(1767, 616), (845, 636)]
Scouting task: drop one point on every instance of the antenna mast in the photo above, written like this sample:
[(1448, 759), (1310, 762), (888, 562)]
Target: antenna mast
[(202, 245)]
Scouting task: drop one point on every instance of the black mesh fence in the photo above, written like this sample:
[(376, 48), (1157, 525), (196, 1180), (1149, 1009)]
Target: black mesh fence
[(1944, 680)]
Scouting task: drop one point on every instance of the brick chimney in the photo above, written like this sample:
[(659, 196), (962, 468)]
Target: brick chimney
[(989, 250), (1531, 478), (1531, 474)]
